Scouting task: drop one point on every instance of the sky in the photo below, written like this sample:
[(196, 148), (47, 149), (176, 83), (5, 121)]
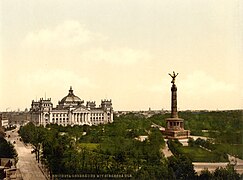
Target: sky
[(122, 50)]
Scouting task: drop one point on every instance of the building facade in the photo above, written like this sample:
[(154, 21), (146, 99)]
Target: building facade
[(71, 111), (4, 121)]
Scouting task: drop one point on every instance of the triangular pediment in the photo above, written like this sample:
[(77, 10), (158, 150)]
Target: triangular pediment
[(81, 109)]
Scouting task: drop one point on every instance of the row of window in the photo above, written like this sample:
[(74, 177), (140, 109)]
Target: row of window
[(46, 105), (53, 119), (91, 118), (94, 118), (59, 115), (97, 114), (93, 114), (60, 121)]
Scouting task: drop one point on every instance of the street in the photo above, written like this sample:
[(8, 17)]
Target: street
[(27, 164)]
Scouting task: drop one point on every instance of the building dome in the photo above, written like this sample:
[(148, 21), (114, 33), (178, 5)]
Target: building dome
[(71, 99)]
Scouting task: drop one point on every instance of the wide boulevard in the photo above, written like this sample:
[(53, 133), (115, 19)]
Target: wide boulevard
[(27, 164)]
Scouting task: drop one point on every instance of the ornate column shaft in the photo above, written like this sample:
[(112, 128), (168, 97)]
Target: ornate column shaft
[(174, 113)]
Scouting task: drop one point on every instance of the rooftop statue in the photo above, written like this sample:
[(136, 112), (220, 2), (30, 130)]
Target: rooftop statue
[(173, 77)]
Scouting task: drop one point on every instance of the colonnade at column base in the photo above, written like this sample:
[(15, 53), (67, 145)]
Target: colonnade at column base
[(175, 129)]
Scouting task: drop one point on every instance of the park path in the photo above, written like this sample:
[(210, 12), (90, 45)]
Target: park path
[(27, 164), (199, 166), (166, 150)]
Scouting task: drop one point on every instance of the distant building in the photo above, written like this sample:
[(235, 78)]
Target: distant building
[(17, 117), (3, 121), (71, 111)]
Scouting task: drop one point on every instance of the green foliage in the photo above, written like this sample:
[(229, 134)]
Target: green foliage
[(191, 142), (205, 143), (232, 149), (226, 173), (90, 146), (174, 146), (113, 149), (27, 132), (181, 167), (159, 119), (34, 135), (7, 150), (205, 175), (109, 148), (196, 153), (224, 127)]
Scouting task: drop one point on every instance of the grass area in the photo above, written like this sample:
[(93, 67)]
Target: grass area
[(232, 149), (89, 146), (198, 154)]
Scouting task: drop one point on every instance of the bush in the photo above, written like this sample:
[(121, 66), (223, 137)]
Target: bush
[(226, 173)]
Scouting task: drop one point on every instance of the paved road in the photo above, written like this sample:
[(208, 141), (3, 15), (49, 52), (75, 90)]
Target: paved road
[(212, 166), (199, 166), (26, 163), (166, 150)]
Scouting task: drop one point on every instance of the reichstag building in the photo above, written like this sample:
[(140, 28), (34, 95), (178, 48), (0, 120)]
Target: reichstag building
[(71, 111)]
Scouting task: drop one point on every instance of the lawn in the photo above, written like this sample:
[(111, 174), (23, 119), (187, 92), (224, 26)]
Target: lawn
[(89, 146), (232, 149), (197, 154)]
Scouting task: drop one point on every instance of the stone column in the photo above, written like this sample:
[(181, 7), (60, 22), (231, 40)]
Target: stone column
[(174, 113), (39, 119), (82, 118), (78, 118), (88, 117), (69, 118), (74, 118), (79, 115)]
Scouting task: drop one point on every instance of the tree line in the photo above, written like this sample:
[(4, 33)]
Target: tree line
[(66, 150)]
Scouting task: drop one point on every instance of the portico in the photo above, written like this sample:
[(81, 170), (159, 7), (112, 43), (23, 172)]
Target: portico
[(81, 118)]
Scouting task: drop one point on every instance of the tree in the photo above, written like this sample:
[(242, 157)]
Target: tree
[(181, 167), (152, 172), (37, 139), (226, 173), (2, 133), (34, 135), (7, 150), (205, 175)]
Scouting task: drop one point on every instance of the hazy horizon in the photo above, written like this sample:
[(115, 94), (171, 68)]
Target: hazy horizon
[(122, 50)]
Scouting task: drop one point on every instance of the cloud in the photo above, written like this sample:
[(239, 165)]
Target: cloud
[(66, 35), (198, 90), (201, 84), (75, 41), (116, 55), (54, 79)]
